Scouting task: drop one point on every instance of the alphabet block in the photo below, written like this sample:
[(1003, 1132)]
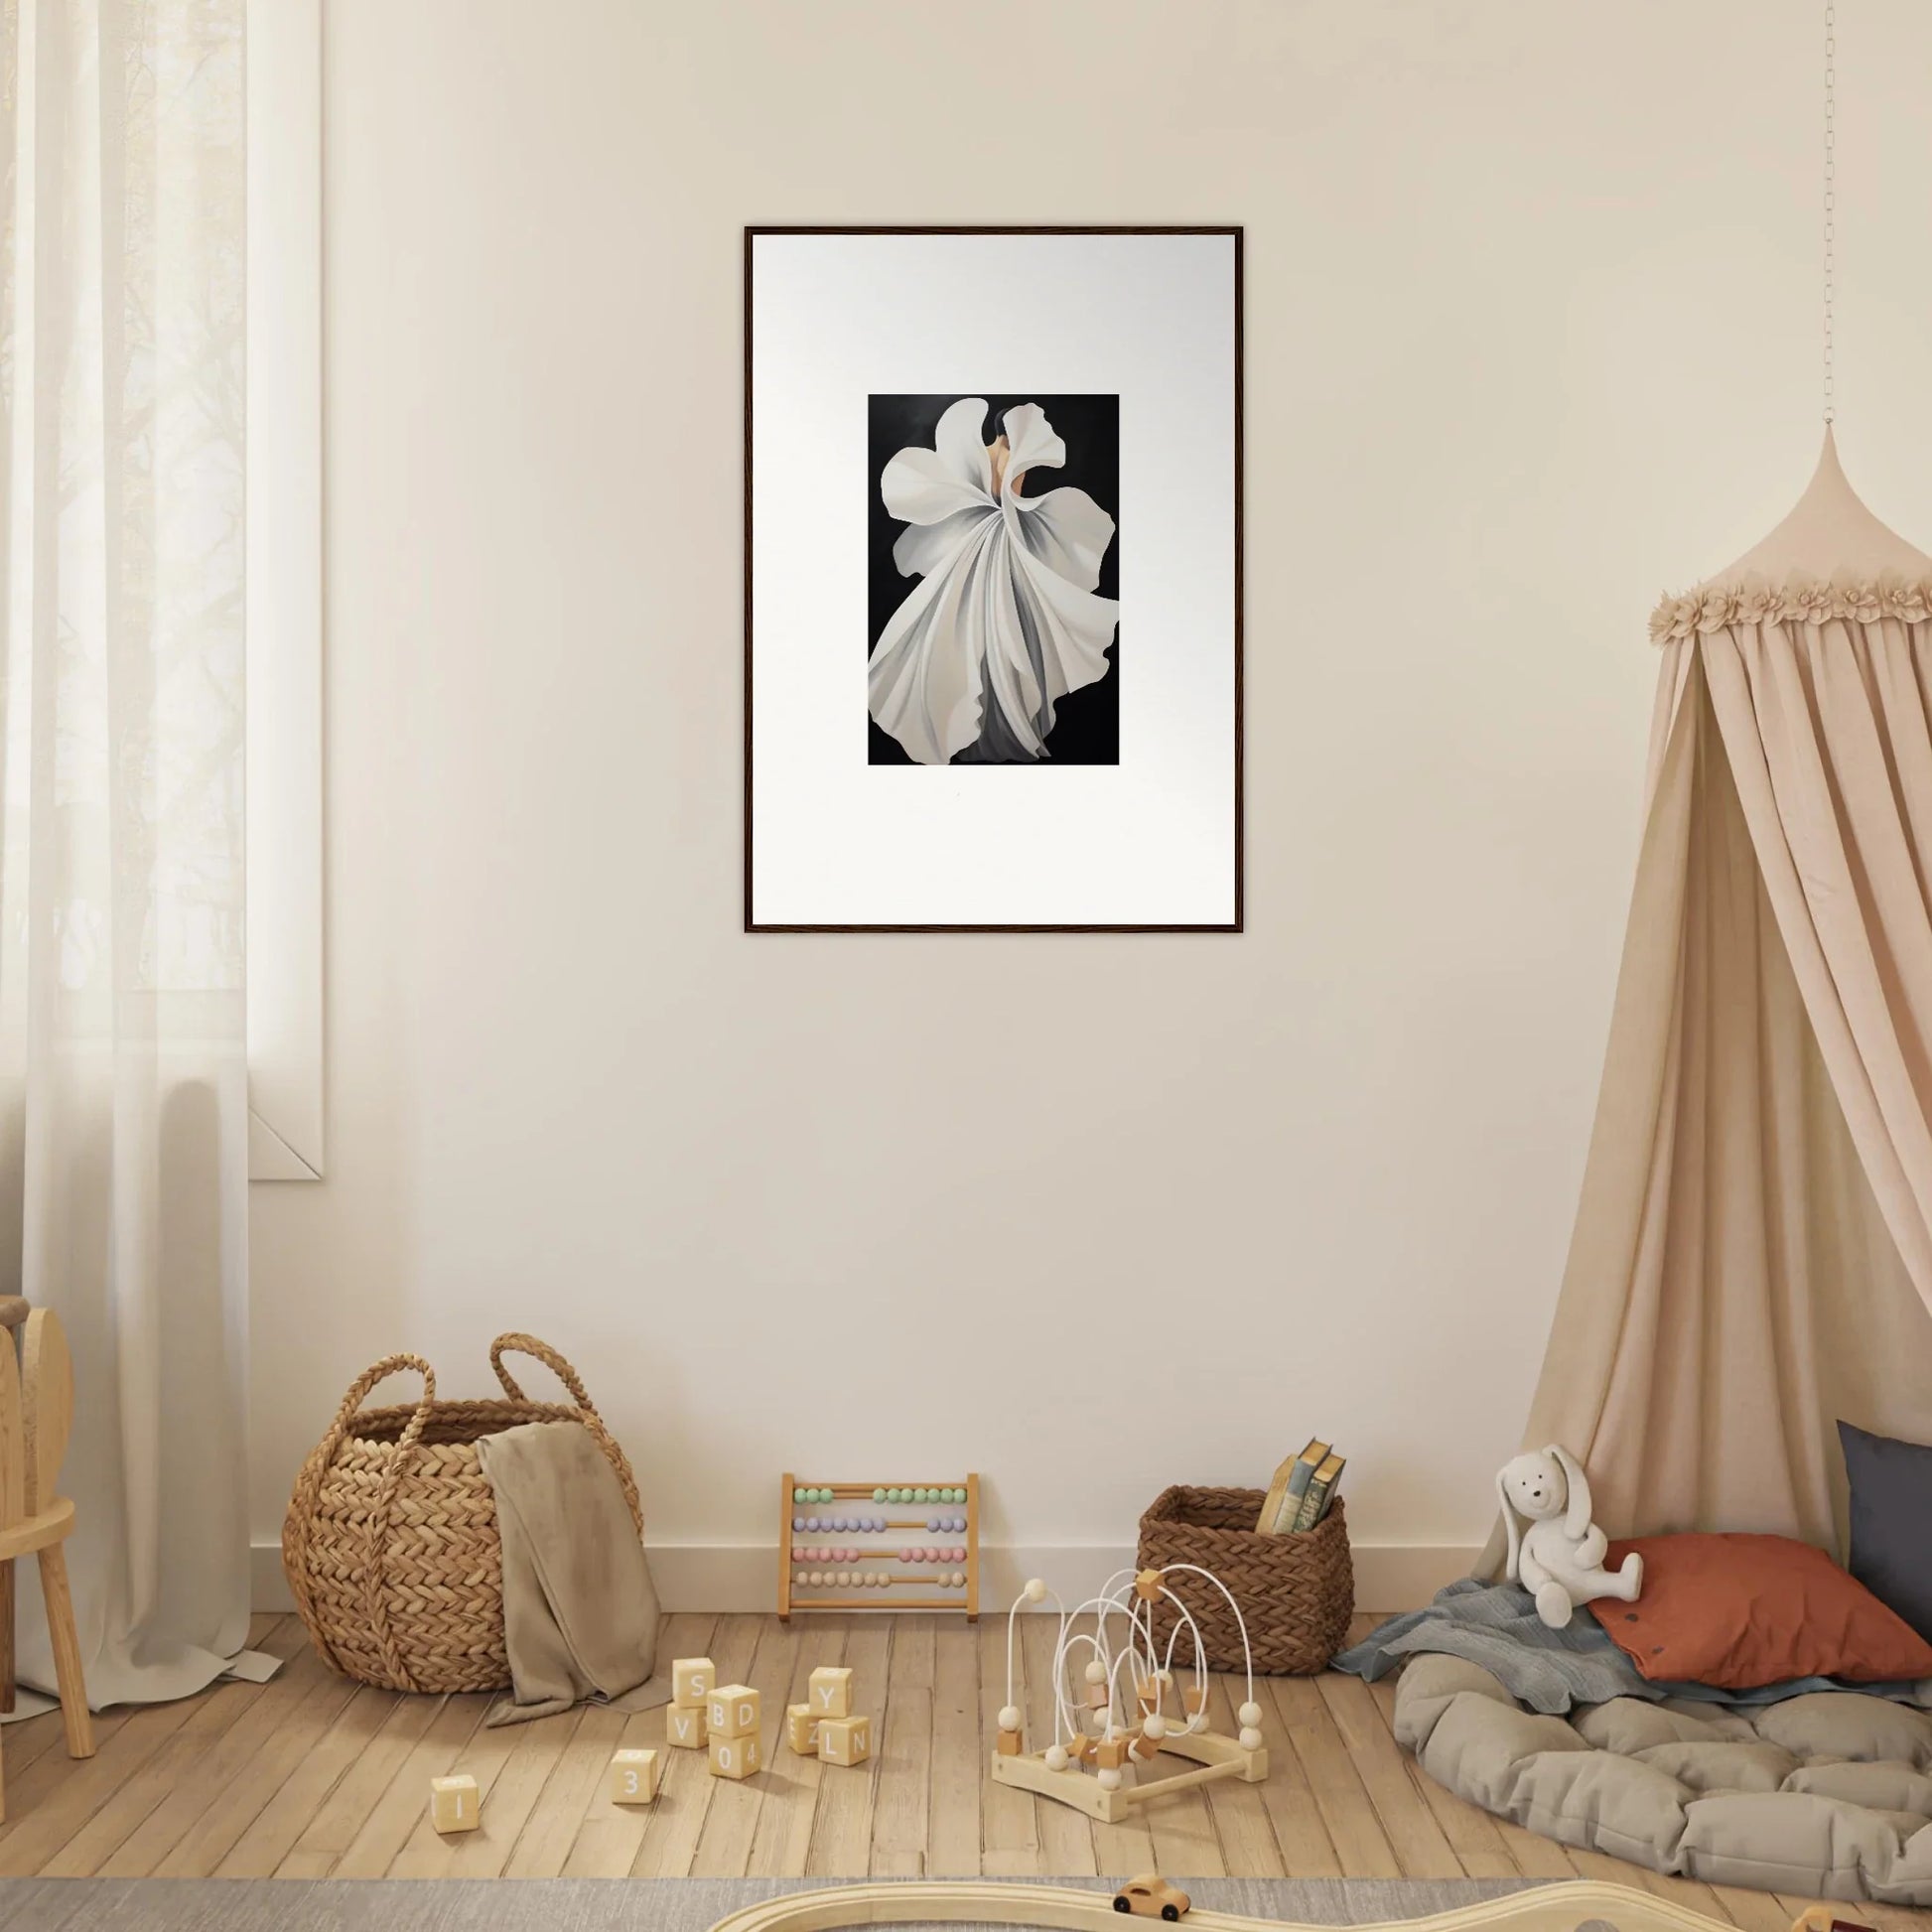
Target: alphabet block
[(802, 1730), (830, 1688), (693, 1679), (634, 1777), (684, 1729), (735, 1757), (454, 1805), (843, 1740), (732, 1710)]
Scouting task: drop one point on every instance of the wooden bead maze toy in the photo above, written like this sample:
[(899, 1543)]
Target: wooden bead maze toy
[(919, 1538), (1096, 1745)]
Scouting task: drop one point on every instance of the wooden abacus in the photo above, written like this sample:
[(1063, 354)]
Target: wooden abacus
[(923, 1537)]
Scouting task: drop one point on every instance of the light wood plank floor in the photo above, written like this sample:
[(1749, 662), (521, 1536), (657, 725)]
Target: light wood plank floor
[(310, 1776)]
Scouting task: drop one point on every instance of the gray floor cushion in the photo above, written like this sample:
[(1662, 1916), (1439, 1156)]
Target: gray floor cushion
[(1828, 1795)]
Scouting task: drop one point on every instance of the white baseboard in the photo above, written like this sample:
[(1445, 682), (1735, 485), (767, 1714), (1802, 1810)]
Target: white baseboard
[(735, 1576)]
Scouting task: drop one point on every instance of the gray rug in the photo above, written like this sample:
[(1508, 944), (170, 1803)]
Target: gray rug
[(603, 1904)]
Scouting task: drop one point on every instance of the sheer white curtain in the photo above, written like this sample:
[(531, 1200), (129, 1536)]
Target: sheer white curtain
[(123, 1097)]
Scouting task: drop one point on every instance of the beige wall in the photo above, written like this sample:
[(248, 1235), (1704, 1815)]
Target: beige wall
[(1532, 324)]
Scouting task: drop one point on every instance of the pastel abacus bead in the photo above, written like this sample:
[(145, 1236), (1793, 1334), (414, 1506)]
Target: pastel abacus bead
[(818, 1579), (798, 1494), (878, 1494)]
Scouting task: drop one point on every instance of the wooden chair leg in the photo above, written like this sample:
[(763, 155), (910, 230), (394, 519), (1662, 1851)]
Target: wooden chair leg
[(67, 1652), (6, 1636)]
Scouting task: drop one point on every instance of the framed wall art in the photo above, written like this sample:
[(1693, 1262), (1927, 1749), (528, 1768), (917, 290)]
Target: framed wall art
[(993, 580)]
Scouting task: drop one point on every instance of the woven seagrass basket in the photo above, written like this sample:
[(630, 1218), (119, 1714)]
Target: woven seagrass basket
[(1297, 1592), (391, 1545)]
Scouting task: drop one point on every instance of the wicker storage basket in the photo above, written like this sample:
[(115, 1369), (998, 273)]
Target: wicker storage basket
[(1297, 1592), (391, 1545)]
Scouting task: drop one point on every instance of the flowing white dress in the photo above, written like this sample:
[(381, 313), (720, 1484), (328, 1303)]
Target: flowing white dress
[(1006, 619)]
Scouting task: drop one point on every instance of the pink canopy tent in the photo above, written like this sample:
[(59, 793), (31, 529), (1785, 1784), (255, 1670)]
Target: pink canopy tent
[(1752, 1253)]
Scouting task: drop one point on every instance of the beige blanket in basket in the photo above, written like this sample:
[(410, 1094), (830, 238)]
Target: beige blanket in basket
[(579, 1611)]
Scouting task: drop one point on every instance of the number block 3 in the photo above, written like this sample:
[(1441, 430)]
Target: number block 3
[(634, 1777)]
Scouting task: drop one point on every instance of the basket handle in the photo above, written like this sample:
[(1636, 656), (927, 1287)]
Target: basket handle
[(521, 1344), (295, 1556)]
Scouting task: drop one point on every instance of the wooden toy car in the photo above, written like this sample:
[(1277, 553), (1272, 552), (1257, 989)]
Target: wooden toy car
[(1151, 1896)]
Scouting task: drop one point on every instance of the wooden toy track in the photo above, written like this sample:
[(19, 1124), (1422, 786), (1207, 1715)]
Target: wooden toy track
[(1545, 1909)]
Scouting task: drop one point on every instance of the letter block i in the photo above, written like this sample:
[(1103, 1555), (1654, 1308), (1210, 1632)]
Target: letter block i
[(454, 1804)]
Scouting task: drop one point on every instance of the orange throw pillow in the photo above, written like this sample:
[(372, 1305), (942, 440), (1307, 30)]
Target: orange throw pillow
[(1738, 1611)]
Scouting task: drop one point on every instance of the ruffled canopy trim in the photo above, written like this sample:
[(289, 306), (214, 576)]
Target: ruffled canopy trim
[(1797, 600)]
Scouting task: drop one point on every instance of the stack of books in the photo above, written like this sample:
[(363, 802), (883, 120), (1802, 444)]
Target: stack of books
[(1303, 1490)]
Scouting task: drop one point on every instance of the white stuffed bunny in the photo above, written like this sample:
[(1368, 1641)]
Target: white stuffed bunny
[(1560, 1558)]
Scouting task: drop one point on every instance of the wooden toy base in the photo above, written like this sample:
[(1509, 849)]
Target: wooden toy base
[(1546, 1908), (1218, 1757)]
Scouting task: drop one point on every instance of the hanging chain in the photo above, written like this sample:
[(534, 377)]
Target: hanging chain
[(1831, 191)]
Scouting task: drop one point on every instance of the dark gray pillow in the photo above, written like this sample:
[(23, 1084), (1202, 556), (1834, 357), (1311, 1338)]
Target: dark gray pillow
[(1892, 1522)]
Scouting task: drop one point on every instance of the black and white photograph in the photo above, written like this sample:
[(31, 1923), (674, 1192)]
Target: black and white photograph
[(994, 580)]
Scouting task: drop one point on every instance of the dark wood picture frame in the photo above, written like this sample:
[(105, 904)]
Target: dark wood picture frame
[(1236, 233)]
